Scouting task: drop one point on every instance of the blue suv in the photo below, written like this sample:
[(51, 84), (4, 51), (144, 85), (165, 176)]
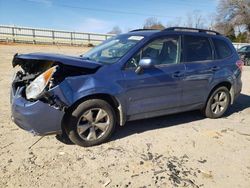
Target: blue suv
[(137, 75)]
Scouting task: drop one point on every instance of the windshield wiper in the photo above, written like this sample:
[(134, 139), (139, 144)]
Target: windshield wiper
[(87, 58), (90, 59)]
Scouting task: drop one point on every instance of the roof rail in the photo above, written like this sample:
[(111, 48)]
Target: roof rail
[(189, 29), (144, 30)]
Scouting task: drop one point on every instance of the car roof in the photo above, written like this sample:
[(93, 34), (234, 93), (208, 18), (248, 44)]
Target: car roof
[(152, 33)]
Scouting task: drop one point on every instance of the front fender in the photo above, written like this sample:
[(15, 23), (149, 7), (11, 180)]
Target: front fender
[(73, 89), (77, 87)]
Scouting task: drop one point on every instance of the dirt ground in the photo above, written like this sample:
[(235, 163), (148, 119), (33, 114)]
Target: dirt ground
[(182, 150)]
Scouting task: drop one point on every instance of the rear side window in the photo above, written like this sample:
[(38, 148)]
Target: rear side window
[(222, 49), (197, 48)]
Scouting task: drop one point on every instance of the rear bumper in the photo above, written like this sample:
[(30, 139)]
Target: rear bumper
[(36, 117), (236, 89)]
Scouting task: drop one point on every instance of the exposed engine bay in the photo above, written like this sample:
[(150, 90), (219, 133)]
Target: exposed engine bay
[(39, 73)]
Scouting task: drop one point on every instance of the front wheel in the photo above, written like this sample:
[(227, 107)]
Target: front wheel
[(217, 103), (91, 123)]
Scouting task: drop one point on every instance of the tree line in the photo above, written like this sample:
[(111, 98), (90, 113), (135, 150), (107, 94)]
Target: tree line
[(232, 19)]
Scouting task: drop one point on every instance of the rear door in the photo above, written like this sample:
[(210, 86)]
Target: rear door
[(198, 56)]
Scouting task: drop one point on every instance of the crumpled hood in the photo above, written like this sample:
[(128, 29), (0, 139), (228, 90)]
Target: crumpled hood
[(75, 61)]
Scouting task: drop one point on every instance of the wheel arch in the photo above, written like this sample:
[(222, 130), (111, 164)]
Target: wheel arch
[(226, 84), (113, 101)]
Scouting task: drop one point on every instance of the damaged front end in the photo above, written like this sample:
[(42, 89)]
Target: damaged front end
[(38, 101)]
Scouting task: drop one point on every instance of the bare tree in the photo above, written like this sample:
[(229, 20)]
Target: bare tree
[(116, 30), (226, 28), (211, 22), (153, 23), (177, 22), (199, 20), (195, 19), (189, 20), (236, 12)]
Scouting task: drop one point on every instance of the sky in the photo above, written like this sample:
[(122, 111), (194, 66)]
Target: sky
[(99, 16)]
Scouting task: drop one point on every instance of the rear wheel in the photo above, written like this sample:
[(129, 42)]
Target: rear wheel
[(217, 103), (91, 123)]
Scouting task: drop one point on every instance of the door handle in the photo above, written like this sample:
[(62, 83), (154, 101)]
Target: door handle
[(215, 68), (178, 74)]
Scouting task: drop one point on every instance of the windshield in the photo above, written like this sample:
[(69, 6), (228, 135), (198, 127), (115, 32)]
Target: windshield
[(242, 49), (111, 50)]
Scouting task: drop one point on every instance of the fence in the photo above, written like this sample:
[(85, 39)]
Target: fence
[(47, 36)]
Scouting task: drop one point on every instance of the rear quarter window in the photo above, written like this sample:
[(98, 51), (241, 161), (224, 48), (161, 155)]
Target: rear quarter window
[(222, 49)]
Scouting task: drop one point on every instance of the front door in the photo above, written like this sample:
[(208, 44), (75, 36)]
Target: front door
[(158, 88)]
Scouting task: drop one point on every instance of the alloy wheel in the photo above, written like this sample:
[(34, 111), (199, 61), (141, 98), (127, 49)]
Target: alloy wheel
[(93, 124), (219, 102)]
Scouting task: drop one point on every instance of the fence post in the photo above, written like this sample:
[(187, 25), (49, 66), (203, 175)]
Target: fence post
[(13, 34), (106, 37), (88, 38), (71, 38), (53, 37), (34, 36)]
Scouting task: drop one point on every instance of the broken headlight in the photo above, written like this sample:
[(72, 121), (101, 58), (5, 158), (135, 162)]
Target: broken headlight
[(37, 86)]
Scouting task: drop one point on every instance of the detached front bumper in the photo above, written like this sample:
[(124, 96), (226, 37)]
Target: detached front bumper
[(36, 117)]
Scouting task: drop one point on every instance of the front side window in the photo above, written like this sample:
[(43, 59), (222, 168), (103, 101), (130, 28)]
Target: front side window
[(197, 49), (113, 49), (222, 49), (163, 51)]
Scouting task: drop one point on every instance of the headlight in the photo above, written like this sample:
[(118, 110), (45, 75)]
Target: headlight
[(37, 86)]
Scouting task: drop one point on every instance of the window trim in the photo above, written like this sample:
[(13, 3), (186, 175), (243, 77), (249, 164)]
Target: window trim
[(213, 48), (179, 36)]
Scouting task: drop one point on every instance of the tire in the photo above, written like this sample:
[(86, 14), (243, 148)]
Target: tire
[(91, 123), (248, 61), (217, 103)]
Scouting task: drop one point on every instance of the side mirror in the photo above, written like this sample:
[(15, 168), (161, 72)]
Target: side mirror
[(144, 63)]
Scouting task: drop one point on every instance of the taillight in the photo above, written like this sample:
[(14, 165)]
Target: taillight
[(240, 64)]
